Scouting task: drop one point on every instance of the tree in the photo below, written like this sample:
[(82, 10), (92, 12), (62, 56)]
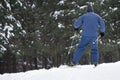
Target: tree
[(38, 33)]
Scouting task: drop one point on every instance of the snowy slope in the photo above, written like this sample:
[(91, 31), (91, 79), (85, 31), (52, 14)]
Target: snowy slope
[(109, 71)]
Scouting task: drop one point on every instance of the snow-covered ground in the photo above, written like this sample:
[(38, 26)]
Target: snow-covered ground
[(105, 71)]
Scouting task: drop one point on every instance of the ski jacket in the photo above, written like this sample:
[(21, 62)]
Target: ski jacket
[(91, 23)]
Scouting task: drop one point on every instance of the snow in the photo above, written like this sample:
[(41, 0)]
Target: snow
[(60, 25), (2, 48), (10, 17), (105, 71), (1, 6), (18, 1), (57, 13), (118, 42), (8, 28), (8, 5), (33, 6), (61, 2), (113, 9)]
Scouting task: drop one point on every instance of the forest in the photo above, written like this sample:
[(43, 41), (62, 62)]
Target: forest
[(36, 34)]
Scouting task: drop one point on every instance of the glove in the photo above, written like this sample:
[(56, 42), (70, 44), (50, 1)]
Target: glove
[(76, 29), (101, 34)]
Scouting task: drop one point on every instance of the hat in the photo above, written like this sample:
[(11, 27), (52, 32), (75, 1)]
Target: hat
[(90, 8)]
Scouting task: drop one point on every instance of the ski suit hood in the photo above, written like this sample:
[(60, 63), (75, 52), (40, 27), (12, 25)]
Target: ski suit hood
[(90, 8)]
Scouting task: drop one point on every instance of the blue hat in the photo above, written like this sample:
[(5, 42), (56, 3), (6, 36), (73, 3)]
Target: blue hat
[(90, 8)]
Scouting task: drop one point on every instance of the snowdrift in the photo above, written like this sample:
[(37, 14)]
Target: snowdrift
[(105, 71)]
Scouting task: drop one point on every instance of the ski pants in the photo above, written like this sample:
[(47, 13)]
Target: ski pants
[(85, 40)]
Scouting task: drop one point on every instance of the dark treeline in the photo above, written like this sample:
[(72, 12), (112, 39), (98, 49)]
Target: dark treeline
[(36, 34)]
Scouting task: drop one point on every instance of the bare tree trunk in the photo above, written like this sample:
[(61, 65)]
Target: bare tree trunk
[(24, 63), (35, 63)]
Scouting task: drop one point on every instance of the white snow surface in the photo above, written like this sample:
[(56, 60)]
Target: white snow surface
[(105, 71)]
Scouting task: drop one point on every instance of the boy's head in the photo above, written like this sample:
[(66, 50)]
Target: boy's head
[(89, 8)]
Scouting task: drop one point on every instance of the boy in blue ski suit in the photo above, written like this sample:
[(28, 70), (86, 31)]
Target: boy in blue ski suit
[(91, 23)]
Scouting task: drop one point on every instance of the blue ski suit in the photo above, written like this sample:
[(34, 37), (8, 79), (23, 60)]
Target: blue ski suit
[(91, 24)]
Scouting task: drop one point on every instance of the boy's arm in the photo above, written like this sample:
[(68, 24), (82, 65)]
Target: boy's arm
[(78, 22), (102, 24)]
